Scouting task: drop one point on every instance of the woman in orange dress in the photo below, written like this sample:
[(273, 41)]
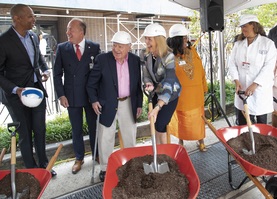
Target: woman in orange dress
[(187, 123)]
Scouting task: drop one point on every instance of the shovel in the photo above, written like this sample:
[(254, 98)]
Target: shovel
[(248, 121), (154, 167), (12, 128)]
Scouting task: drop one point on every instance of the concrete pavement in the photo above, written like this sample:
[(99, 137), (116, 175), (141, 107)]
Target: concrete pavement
[(65, 182)]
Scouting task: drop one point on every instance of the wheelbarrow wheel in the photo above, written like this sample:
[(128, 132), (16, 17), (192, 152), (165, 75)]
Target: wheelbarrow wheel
[(271, 186)]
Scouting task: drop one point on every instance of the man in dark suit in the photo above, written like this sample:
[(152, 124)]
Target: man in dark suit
[(20, 65), (273, 35), (75, 63), (114, 88)]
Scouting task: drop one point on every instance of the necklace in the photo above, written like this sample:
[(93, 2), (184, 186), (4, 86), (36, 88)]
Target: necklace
[(185, 61)]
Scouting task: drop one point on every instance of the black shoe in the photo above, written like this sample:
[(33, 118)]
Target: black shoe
[(102, 175), (53, 173)]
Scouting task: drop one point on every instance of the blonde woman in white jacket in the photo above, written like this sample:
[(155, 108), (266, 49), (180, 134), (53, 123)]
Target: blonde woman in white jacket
[(251, 67)]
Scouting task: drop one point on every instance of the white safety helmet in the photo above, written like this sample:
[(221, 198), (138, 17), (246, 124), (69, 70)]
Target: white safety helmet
[(154, 30), (244, 19), (31, 97), (122, 37), (178, 30)]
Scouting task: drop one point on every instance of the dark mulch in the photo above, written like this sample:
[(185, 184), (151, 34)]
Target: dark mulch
[(265, 146), (134, 183), (27, 186)]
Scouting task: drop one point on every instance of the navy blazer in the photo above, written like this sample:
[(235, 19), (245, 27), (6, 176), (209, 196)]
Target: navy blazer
[(70, 74), (16, 68), (103, 85)]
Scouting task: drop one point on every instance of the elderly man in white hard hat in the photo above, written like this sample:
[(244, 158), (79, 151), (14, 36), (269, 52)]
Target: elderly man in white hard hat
[(251, 67), (114, 88)]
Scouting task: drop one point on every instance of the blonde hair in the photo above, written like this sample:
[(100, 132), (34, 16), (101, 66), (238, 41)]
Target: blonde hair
[(162, 48)]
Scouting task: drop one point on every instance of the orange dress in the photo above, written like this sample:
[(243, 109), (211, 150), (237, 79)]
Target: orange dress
[(186, 122)]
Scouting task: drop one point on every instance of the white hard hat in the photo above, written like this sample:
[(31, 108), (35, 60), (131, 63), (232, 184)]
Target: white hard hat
[(244, 19), (122, 37), (178, 30), (154, 30), (31, 97)]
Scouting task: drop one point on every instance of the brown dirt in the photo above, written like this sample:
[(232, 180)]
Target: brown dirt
[(265, 146), (135, 184), (23, 181)]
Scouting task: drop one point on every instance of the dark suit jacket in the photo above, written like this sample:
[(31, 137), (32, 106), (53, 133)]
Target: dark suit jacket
[(273, 35), (15, 65), (103, 85), (75, 72)]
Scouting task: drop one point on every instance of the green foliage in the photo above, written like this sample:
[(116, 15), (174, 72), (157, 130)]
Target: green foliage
[(5, 138), (266, 14), (229, 91), (144, 115), (58, 129)]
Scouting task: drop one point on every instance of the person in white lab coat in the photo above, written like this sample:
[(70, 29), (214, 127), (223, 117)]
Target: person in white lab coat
[(251, 67)]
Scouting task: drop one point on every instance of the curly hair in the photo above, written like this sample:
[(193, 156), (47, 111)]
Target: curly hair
[(258, 29), (177, 44)]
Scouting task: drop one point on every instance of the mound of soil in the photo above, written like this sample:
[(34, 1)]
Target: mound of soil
[(25, 183), (135, 184), (265, 146)]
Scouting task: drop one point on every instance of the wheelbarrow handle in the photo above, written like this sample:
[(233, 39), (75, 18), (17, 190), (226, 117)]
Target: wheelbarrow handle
[(2, 155), (54, 158)]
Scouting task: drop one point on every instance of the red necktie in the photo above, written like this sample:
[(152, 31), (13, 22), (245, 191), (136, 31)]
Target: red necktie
[(78, 52)]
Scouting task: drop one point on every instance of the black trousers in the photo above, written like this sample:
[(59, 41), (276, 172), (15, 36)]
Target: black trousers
[(261, 119), (165, 114), (31, 131), (76, 120)]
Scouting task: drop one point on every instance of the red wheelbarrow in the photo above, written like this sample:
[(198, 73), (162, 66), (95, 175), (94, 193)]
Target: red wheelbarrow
[(176, 152), (252, 171), (42, 175)]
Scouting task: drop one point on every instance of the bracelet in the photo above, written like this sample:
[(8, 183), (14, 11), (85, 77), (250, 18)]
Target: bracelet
[(157, 105)]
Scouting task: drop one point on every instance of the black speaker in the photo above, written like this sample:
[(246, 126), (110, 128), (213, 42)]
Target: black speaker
[(211, 15)]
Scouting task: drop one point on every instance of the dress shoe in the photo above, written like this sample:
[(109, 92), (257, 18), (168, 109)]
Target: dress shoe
[(102, 175), (53, 173), (77, 166)]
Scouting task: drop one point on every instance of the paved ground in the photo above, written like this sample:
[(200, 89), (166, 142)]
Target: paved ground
[(65, 182)]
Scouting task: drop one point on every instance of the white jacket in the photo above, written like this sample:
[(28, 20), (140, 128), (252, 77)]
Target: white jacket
[(261, 56)]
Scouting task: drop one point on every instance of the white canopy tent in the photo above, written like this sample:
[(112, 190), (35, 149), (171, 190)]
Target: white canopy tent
[(230, 6)]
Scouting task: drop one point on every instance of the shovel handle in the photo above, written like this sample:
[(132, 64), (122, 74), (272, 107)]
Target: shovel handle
[(152, 124), (54, 158), (13, 150), (247, 117)]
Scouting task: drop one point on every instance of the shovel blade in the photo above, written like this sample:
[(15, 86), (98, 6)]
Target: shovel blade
[(150, 168), (246, 152)]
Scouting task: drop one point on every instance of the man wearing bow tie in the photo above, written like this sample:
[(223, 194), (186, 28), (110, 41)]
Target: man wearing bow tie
[(74, 61)]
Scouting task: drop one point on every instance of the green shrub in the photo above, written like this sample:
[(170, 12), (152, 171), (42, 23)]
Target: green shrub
[(144, 115), (229, 90), (5, 138)]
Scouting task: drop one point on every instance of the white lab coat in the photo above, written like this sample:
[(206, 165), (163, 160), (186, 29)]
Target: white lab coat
[(261, 56)]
